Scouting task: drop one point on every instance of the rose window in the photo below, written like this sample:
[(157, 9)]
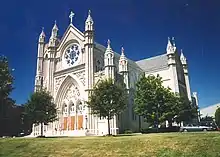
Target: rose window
[(72, 54)]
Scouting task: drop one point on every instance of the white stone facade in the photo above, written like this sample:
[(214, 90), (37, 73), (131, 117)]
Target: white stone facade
[(70, 67)]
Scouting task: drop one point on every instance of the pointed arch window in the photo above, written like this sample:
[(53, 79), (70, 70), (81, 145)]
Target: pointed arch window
[(72, 108), (65, 110)]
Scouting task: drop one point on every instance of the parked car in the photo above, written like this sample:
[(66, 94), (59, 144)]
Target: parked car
[(191, 127)]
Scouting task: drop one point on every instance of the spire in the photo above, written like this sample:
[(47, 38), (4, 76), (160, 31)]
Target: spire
[(71, 17), (173, 41), (89, 22), (122, 57), (182, 57), (170, 47), (42, 35), (108, 49), (54, 34), (89, 18), (122, 51), (109, 42), (169, 42), (55, 26), (123, 62), (55, 29)]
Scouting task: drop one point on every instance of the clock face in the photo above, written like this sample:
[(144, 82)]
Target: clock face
[(72, 54)]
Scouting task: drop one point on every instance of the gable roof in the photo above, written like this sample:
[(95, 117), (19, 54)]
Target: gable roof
[(153, 63)]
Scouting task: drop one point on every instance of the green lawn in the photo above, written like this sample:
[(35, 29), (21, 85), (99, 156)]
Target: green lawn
[(173, 144)]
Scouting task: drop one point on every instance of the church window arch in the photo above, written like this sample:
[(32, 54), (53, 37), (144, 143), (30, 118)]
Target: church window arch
[(72, 107), (65, 110)]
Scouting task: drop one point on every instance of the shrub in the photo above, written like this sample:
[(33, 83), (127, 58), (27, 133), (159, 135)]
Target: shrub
[(160, 130)]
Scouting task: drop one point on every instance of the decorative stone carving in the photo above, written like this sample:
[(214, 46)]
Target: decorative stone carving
[(58, 82), (81, 76), (99, 75), (72, 93)]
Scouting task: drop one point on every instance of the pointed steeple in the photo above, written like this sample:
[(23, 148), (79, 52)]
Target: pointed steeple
[(55, 30), (89, 18), (183, 58), (89, 22), (173, 41), (42, 36), (170, 47), (54, 35), (122, 57), (108, 49), (174, 44), (122, 51), (55, 26)]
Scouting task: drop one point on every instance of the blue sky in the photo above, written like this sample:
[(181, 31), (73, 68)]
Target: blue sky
[(142, 27)]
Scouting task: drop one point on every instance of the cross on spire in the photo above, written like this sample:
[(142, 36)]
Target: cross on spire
[(71, 17)]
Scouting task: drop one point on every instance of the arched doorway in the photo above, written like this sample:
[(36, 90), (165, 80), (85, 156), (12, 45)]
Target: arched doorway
[(71, 106)]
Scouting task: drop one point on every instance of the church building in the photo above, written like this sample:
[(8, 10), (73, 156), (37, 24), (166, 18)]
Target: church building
[(69, 67)]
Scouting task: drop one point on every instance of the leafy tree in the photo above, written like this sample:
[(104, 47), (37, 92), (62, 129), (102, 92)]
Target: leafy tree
[(150, 98), (6, 78), (207, 119), (170, 106), (40, 108), (158, 104), (217, 117), (6, 87), (185, 111), (108, 99)]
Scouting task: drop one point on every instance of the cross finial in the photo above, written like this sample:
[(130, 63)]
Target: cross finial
[(71, 17), (89, 12)]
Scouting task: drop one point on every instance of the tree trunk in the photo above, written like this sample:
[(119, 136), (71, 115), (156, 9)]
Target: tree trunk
[(109, 132), (42, 129), (169, 124), (139, 123)]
